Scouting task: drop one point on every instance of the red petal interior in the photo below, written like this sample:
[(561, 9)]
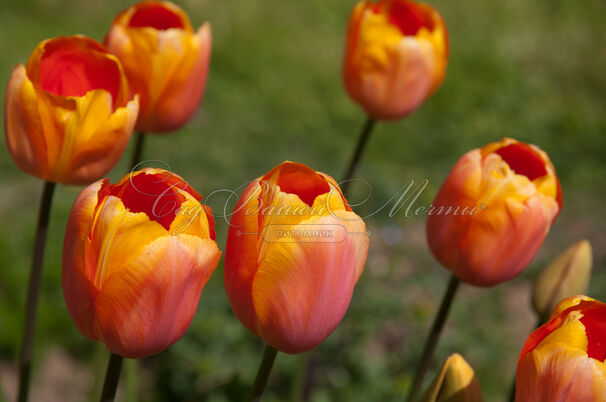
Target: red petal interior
[(72, 68), (594, 320), (541, 333), (408, 17), (523, 160), (157, 194), (594, 313), (294, 178), (155, 15)]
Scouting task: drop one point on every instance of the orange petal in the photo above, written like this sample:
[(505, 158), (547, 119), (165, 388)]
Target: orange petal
[(183, 93), (302, 290), (559, 373), (461, 188), (502, 240), (403, 85), (78, 290), (94, 136), (25, 136), (117, 235), (150, 304), (241, 255)]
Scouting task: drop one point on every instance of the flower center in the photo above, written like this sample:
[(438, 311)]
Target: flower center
[(158, 195), (408, 17), (523, 160), (74, 66), (155, 15), (295, 178), (594, 320)]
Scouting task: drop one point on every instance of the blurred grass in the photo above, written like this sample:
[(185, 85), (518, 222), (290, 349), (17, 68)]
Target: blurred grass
[(530, 70)]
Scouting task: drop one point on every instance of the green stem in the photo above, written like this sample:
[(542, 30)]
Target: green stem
[(131, 380), (33, 291), (298, 386), (112, 376), (137, 151), (269, 356), (432, 339), (355, 159)]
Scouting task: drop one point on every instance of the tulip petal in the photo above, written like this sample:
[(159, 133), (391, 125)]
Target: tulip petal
[(178, 101), (78, 289), (301, 290), (106, 145), (556, 372), (501, 243), (150, 304), (456, 382), (25, 137), (92, 136), (241, 255)]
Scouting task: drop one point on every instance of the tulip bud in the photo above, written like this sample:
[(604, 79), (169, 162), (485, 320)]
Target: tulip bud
[(166, 62), (395, 56), (294, 252), (136, 256), (567, 275), (456, 382), (564, 360), (493, 212), (67, 115)]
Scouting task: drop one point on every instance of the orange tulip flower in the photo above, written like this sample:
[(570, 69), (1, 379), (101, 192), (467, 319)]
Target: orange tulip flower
[(294, 252), (493, 212), (67, 115), (565, 359), (395, 56), (136, 256), (166, 62)]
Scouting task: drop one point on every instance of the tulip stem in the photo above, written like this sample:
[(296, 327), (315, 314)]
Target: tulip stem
[(269, 356), (33, 291), (112, 376), (432, 339), (355, 159), (303, 372), (137, 151)]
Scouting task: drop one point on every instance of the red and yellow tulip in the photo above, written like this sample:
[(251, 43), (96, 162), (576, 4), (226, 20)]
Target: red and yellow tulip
[(565, 359), (67, 115), (395, 57), (294, 252), (493, 212), (166, 62), (136, 257)]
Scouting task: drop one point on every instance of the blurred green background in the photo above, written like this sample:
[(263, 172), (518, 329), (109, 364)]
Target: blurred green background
[(533, 70)]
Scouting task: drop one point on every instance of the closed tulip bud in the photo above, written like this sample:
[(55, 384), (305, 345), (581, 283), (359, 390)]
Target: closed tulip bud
[(567, 275), (166, 62), (136, 256), (564, 360), (395, 57), (456, 382), (67, 114), (493, 212), (294, 252)]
